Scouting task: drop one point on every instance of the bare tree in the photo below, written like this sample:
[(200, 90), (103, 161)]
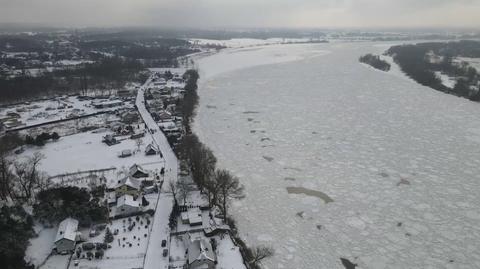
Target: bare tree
[(229, 187), (260, 253), (6, 176), (211, 187), (172, 188), (203, 165), (183, 187), (28, 175)]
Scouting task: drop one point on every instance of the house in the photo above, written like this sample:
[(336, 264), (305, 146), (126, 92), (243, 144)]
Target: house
[(127, 185), (127, 205), (164, 116), (66, 235), (137, 171), (152, 150), (201, 255)]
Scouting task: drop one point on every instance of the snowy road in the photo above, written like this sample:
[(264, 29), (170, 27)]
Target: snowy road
[(160, 229)]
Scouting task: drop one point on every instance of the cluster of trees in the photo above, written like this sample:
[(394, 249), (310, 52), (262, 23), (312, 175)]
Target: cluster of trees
[(415, 61), (220, 186), (375, 61), (54, 205), (15, 232), (190, 99), (40, 139), (109, 73)]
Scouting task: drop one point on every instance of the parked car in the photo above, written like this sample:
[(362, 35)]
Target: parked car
[(164, 243), (165, 252)]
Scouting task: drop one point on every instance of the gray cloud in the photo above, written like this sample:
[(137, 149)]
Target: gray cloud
[(250, 13)]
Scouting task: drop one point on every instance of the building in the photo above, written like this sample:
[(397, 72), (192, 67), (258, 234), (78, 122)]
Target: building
[(127, 185), (201, 255), (152, 150), (137, 171), (66, 235), (193, 217), (164, 116), (127, 205)]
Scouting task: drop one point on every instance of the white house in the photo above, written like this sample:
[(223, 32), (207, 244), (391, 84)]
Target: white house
[(127, 205), (201, 255), (66, 235)]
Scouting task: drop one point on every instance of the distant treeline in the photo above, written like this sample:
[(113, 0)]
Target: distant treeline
[(106, 74), (375, 61), (421, 61)]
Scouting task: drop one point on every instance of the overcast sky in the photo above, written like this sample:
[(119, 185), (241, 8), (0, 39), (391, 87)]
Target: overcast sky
[(244, 13)]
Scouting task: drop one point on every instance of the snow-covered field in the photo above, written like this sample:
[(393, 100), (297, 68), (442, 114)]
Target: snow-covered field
[(400, 161), (85, 151)]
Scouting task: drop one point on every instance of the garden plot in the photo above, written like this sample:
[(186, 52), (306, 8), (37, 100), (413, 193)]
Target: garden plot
[(127, 249), (85, 151)]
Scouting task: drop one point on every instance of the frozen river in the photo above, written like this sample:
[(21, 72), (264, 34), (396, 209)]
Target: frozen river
[(340, 160)]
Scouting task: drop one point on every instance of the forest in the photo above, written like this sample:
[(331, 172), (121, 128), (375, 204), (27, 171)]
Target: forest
[(421, 61)]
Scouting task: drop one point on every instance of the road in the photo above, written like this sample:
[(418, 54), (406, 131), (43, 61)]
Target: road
[(160, 230)]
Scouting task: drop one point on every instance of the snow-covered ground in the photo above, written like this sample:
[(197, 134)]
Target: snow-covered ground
[(447, 81), (473, 62), (85, 151), (228, 254), (400, 161), (41, 246)]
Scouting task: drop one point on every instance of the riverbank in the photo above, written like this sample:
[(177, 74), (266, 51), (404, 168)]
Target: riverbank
[(332, 125)]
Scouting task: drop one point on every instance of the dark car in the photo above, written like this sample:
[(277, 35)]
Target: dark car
[(164, 243), (165, 252)]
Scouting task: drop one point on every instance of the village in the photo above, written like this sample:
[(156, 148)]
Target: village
[(120, 150)]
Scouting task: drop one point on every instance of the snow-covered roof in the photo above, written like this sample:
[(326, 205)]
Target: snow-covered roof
[(151, 147), (129, 181), (201, 250), (127, 200), (194, 215), (137, 168), (67, 229)]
